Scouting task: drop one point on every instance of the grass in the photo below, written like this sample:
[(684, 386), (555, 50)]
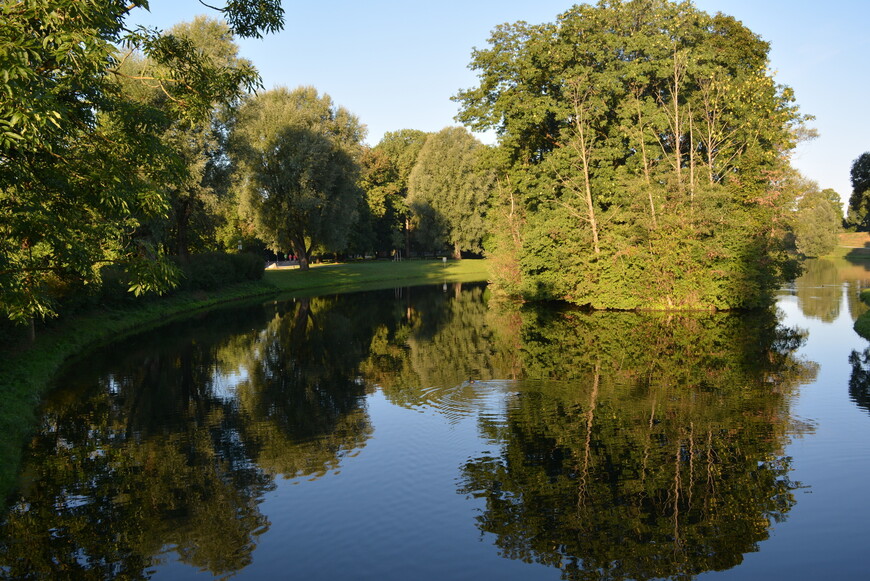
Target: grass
[(26, 372), (854, 251), (374, 275)]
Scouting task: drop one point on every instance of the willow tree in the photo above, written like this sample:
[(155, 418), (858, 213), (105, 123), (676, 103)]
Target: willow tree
[(296, 155), (448, 190), (647, 143)]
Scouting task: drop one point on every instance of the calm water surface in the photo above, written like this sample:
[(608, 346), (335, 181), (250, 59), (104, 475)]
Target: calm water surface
[(427, 433)]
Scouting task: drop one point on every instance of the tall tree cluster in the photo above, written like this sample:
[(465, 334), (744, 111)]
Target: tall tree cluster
[(428, 193), (447, 190), (646, 148), (92, 114)]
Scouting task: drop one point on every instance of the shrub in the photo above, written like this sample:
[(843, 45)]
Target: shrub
[(212, 270)]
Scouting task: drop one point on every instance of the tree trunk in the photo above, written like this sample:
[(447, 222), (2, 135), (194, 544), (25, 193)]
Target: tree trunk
[(678, 154), (408, 236), (642, 129), (301, 254), (457, 254), (691, 156), (584, 148)]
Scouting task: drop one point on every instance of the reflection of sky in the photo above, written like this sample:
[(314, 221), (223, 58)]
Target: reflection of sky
[(825, 533), (224, 386)]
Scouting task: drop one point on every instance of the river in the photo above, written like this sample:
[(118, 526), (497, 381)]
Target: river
[(432, 433)]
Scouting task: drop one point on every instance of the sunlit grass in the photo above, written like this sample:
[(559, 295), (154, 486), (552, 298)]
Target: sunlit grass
[(373, 275)]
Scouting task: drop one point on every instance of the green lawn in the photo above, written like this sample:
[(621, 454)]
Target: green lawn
[(355, 276)]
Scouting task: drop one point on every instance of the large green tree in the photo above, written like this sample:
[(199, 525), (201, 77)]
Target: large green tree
[(448, 192), (859, 204), (645, 143), (80, 162), (818, 219), (197, 195), (386, 169), (297, 168)]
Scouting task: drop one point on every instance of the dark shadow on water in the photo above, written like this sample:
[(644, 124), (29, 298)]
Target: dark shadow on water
[(860, 256)]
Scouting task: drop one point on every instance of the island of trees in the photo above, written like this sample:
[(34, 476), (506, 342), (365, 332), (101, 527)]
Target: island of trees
[(642, 160)]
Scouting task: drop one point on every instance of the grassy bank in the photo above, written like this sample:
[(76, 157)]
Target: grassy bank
[(373, 275), (853, 251), (27, 371)]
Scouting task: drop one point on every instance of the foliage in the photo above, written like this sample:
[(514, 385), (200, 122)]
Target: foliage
[(386, 169), (197, 198), (213, 270), (296, 157), (646, 144), (859, 202), (81, 162), (817, 220), (448, 190)]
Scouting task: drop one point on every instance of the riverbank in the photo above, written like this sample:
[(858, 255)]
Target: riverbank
[(26, 372), (854, 249)]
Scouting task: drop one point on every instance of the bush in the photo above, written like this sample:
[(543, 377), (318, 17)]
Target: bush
[(212, 270), (248, 266)]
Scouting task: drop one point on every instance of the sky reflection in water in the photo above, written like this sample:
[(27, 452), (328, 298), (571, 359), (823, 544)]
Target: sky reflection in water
[(425, 432)]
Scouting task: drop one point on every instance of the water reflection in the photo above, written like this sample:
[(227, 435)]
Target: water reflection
[(630, 445), (819, 290), (167, 443), (660, 457), (439, 348), (859, 381)]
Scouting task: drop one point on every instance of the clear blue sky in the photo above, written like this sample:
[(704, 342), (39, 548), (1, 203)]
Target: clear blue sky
[(395, 64)]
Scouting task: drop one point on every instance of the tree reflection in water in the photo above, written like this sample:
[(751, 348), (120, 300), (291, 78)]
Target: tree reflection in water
[(632, 446), (635, 446), (658, 452), (859, 381), (172, 449)]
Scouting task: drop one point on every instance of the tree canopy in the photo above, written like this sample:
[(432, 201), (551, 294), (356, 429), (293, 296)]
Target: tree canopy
[(448, 191), (386, 169), (646, 141), (297, 168), (82, 162), (859, 204)]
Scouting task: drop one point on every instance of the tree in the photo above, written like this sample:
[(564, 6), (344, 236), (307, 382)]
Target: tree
[(297, 167), (646, 147), (817, 220), (196, 196), (386, 169), (80, 162), (448, 190), (859, 202)]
